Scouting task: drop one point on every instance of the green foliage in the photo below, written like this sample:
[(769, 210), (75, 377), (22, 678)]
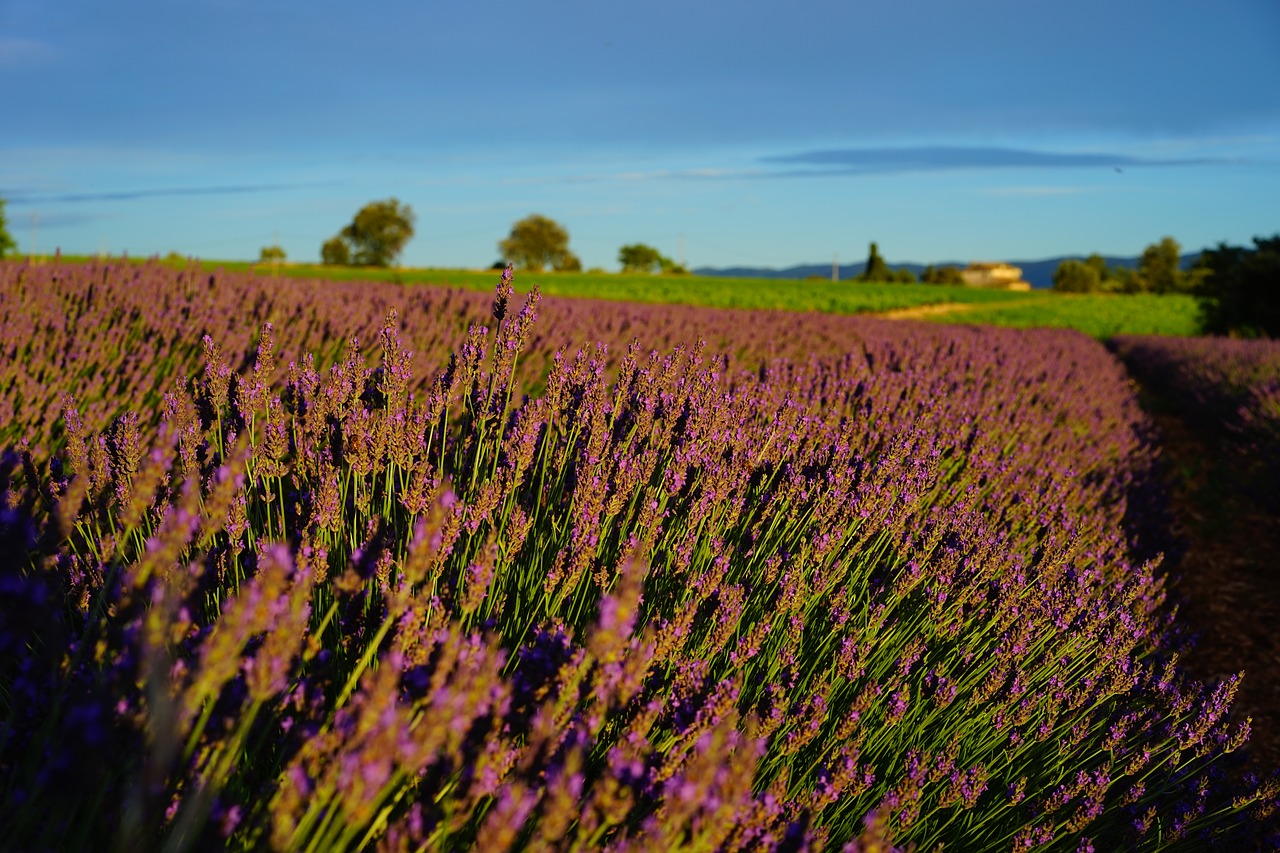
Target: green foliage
[(1074, 276), (375, 237), (941, 275), (271, 255), (1093, 275), (536, 242), (644, 259), (1239, 293), (6, 240), (1106, 275), (568, 263), (1159, 271), (335, 253), (640, 258), (1158, 268), (876, 269)]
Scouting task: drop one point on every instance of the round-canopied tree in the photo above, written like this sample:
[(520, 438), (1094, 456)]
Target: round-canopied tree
[(375, 237), (1075, 276), (640, 258), (335, 253), (271, 255), (1159, 267), (536, 242)]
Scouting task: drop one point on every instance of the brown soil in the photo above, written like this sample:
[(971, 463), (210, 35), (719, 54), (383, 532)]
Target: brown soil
[(1228, 581)]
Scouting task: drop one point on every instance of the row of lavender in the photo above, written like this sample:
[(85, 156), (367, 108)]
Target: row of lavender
[(121, 335), (499, 598), (1229, 387)]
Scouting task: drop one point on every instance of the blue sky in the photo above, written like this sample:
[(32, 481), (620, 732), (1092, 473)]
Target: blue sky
[(731, 133)]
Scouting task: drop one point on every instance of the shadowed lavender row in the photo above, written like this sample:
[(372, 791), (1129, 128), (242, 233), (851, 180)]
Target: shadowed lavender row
[(1229, 388)]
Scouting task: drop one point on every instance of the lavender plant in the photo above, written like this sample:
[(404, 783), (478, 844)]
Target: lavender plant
[(900, 590), (1227, 387)]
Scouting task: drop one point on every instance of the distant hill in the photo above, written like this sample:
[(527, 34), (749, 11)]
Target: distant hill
[(1038, 273)]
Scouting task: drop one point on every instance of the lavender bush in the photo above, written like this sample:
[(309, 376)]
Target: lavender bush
[(823, 583), (1228, 387)]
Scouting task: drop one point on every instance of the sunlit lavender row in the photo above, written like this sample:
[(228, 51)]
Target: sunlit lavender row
[(819, 584), (121, 334)]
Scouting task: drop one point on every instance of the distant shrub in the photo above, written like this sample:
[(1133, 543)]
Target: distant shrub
[(1074, 276), (942, 275), (271, 255), (1240, 291)]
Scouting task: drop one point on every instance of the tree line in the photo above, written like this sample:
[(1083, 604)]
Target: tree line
[(1159, 270), (1237, 288)]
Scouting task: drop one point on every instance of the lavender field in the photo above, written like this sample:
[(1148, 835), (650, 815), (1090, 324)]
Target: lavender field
[(312, 565), (1229, 388)]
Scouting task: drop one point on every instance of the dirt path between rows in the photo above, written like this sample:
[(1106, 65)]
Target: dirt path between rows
[(1228, 582), (919, 312)]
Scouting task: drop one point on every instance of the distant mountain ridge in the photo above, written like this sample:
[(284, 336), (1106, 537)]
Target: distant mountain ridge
[(1038, 274)]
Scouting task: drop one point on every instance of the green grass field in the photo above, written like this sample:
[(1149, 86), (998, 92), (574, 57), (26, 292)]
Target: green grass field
[(1098, 315), (845, 297), (1101, 315)]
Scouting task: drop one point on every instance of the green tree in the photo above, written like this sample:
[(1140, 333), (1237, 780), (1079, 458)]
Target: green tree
[(1126, 280), (1239, 291), (641, 258), (1073, 276), (876, 269), (271, 255), (569, 262), (1098, 264), (335, 253), (941, 275), (1159, 267), (6, 240), (375, 237), (536, 242)]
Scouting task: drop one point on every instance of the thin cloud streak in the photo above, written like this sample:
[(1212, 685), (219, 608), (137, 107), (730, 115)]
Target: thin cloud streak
[(20, 199), (699, 173), (946, 158), (881, 161)]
